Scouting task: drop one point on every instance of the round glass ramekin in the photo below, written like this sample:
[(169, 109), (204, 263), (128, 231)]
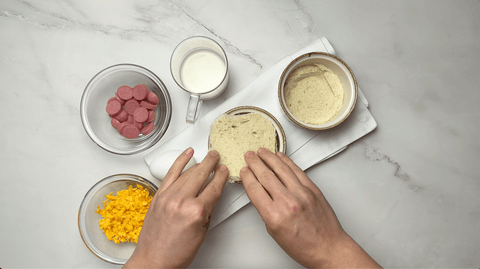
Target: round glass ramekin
[(97, 122), (90, 231)]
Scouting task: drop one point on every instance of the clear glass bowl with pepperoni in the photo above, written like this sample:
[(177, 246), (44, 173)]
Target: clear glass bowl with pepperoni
[(125, 109)]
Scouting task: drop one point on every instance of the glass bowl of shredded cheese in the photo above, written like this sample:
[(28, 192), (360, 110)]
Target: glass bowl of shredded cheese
[(111, 216)]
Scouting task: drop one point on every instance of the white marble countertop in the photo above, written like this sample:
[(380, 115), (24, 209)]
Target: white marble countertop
[(408, 193)]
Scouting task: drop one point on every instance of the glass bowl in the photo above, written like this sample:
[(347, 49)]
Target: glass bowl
[(90, 231), (337, 66), (97, 122)]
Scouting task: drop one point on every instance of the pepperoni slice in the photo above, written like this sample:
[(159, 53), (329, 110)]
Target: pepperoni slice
[(148, 105), (130, 119), (152, 98), (131, 105), (125, 92), (140, 114), (121, 126), (151, 116), (139, 125), (148, 128), (119, 99), (111, 99), (113, 108), (115, 123), (130, 131), (140, 92), (122, 116)]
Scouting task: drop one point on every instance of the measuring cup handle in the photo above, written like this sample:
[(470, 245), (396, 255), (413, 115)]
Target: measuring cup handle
[(193, 109)]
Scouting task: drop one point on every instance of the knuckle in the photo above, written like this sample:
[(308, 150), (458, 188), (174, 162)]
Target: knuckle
[(202, 173), (274, 221), (163, 198), (174, 206), (197, 213), (267, 176), (252, 189), (284, 169), (290, 202), (215, 189), (306, 195)]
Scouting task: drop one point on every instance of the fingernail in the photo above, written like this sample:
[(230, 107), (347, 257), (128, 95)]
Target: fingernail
[(280, 154), (262, 150), (222, 168), (249, 154), (188, 151), (214, 153), (244, 169)]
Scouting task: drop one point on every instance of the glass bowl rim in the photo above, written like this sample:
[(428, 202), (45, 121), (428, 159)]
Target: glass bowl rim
[(86, 199)]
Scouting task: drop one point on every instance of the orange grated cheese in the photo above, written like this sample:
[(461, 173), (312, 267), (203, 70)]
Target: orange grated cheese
[(123, 214)]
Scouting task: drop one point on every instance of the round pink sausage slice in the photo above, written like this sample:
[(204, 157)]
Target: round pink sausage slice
[(115, 123), (140, 92), (151, 116), (148, 105), (130, 131), (139, 125), (121, 126), (148, 128), (125, 92), (130, 119), (140, 114), (122, 116), (131, 105), (152, 98), (119, 99), (111, 99), (113, 108)]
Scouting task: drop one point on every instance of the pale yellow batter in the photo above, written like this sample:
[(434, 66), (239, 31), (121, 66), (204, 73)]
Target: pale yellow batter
[(314, 94)]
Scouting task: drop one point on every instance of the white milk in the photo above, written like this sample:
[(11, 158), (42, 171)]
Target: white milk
[(202, 71)]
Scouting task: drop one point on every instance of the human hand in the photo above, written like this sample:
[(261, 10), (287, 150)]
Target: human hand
[(177, 221), (297, 215)]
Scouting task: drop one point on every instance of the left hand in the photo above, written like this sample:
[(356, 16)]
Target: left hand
[(179, 215)]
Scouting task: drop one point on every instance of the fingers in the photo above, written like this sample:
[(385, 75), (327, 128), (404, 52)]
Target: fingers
[(302, 177), (213, 191), (265, 176), (176, 169), (178, 184), (200, 174), (255, 191), (281, 169)]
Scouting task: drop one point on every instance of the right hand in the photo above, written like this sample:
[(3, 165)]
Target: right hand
[(296, 213)]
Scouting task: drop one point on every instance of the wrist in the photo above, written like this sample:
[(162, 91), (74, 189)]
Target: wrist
[(345, 252), (140, 259), (146, 259), (137, 261), (329, 250)]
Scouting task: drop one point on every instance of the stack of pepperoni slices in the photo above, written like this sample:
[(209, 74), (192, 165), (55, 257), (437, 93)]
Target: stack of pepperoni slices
[(132, 110)]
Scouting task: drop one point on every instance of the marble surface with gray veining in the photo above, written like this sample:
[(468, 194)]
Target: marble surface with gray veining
[(408, 193)]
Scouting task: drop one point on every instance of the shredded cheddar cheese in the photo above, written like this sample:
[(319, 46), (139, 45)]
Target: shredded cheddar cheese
[(124, 213)]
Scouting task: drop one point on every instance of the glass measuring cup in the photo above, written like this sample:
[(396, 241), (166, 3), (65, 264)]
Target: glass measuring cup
[(199, 65)]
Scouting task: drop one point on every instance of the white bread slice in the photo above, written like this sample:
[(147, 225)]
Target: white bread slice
[(233, 135)]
